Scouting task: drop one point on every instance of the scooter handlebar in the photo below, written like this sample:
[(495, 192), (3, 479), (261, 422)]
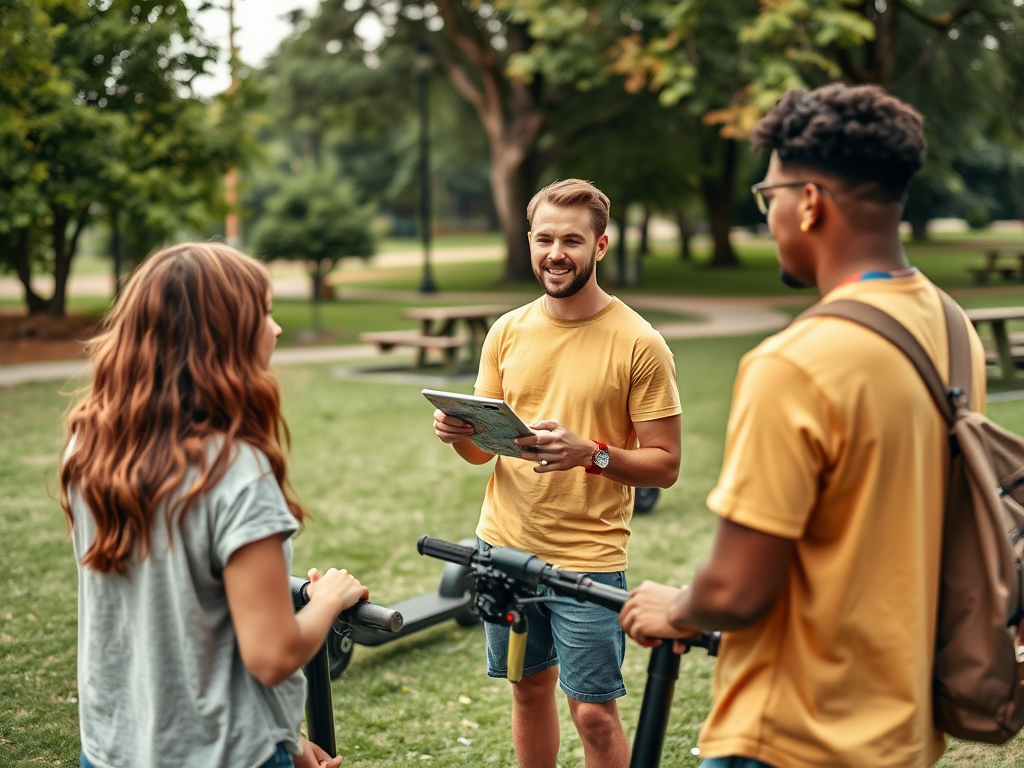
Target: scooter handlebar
[(529, 569), (446, 550), (362, 614)]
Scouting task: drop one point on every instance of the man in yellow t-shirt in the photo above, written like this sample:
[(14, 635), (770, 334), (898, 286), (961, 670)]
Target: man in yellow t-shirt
[(597, 385), (824, 573)]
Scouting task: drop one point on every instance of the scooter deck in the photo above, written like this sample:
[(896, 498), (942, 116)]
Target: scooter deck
[(418, 613)]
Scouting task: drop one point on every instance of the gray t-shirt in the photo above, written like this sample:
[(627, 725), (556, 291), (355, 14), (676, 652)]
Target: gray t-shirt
[(160, 678)]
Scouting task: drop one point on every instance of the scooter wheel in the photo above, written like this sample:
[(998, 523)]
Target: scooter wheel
[(645, 499), (339, 653)]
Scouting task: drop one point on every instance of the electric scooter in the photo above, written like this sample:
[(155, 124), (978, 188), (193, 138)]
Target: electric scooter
[(505, 580), (453, 600), (644, 499)]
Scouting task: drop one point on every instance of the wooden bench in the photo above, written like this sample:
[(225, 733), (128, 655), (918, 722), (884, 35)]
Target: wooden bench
[(1005, 260), (448, 345), (1005, 352)]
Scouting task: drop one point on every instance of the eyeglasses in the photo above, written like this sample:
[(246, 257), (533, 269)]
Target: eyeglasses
[(758, 191)]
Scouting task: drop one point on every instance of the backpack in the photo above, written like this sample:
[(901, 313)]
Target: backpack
[(978, 688)]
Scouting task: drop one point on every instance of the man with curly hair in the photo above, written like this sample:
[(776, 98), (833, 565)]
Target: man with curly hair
[(824, 572)]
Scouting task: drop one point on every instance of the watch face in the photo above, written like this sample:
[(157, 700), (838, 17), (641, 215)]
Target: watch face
[(601, 459)]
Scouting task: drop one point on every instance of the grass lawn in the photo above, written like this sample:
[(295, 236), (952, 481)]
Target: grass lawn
[(369, 468)]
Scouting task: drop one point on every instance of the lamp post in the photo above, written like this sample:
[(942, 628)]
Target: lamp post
[(423, 64), (232, 225)]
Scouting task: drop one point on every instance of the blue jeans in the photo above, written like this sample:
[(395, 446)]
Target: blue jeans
[(733, 762), (281, 758), (584, 640)]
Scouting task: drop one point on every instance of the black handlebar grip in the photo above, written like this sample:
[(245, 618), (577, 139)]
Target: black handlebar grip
[(610, 597), (299, 595), (364, 614), (707, 640), (446, 550)]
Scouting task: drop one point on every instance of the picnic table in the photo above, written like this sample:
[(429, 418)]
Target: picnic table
[(1009, 348), (1004, 259), (444, 329)]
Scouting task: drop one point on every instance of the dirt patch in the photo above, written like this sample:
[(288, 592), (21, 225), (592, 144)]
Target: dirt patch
[(35, 338)]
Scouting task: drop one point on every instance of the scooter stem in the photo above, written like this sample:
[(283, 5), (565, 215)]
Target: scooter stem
[(516, 645)]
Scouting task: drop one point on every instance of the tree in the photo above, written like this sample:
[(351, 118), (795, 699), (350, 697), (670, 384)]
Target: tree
[(648, 156), (957, 61), (366, 123), (104, 121), (38, 100), (314, 219), (530, 107)]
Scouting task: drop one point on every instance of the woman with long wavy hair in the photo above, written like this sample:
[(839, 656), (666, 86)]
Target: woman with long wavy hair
[(174, 485)]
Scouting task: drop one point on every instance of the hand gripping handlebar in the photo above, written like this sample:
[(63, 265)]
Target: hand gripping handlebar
[(362, 614)]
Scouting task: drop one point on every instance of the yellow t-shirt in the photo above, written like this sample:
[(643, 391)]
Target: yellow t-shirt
[(596, 377), (834, 442)]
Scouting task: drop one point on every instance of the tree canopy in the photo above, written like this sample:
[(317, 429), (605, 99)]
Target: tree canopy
[(101, 122)]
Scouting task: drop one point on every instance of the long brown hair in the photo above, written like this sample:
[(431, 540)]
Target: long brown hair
[(176, 370)]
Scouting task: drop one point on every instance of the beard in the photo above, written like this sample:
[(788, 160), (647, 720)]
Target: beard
[(575, 285), (789, 280)]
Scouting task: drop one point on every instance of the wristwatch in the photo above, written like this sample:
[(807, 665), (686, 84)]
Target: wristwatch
[(599, 461)]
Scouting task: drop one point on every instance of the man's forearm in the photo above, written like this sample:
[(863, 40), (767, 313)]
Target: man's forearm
[(642, 467), (694, 610), (469, 451)]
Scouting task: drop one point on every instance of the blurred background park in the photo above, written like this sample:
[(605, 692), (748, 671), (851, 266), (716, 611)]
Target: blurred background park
[(379, 154)]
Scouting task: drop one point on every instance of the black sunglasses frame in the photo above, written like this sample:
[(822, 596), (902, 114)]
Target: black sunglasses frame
[(758, 190)]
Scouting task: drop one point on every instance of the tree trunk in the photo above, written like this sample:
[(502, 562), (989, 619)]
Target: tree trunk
[(512, 114), (316, 274), (61, 261), (64, 249), (621, 257), (117, 246), (685, 235), (513, 185), (717, 191), (919, 228), (20, 250), (645, 227)]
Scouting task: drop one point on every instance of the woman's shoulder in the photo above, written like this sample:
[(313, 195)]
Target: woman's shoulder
[(244, 460)]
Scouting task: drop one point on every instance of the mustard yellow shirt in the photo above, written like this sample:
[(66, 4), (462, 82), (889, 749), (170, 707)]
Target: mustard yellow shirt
[(596, 377), (833, 441)]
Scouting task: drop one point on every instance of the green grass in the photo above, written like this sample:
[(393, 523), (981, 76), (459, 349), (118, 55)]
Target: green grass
[(369, 468)]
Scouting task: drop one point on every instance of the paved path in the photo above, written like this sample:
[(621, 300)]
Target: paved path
[(717, 317)]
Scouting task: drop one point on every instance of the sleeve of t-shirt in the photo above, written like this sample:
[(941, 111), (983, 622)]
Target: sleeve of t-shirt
[(256, 511), (488, 378), (653, 390), (776, 450)]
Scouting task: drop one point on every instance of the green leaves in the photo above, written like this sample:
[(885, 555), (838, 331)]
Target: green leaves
[(314, 217), (99, 118)]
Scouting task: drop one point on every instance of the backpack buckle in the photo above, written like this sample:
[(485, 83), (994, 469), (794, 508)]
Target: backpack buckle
[(957, 398)]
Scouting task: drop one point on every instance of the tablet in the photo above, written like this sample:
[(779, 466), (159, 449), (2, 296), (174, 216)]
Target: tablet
[(494, 421)]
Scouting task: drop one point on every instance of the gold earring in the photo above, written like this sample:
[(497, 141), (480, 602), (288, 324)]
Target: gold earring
[(805, 226)]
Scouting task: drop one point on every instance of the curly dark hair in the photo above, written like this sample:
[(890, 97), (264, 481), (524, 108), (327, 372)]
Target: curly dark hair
[(859, 134)]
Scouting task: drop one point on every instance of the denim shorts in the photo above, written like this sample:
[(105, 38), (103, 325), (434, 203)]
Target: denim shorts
[(733, 762), (281, 758), (584, 640)]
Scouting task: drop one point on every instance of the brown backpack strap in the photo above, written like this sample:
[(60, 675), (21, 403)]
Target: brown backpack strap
[(889, 328), (959, 346)]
